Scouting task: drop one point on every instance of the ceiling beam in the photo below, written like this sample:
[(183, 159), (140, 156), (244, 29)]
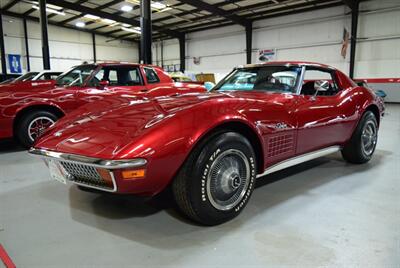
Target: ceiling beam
[(233, 11), (77, 16), (284, 11), (31, 18), (106, 15), (295, 9), (10, 4), (217, 11), (190, 12)]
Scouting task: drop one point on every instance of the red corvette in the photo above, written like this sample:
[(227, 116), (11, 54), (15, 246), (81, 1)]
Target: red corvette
[(211, 147), (27, 111)]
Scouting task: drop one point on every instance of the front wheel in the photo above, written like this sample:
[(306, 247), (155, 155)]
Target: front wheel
[(33, 125), (362, 144), (217, 180)]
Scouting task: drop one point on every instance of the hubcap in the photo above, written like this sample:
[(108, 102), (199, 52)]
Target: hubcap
[(228, 179), (37, 127), (369, 138)]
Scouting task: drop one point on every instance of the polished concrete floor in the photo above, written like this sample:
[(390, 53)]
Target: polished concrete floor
[(321, 213)]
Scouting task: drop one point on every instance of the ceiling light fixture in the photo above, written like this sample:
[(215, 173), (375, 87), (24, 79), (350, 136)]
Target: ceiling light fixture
[(126, 8), (80, 24), (160, 7), (136, 30), (92, 17), (50, 10)]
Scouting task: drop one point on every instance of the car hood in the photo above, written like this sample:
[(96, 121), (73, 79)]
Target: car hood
[(102, 129)]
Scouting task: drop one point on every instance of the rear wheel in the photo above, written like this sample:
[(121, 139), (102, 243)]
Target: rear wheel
[(33, 125), (217, 180), (362, 144)]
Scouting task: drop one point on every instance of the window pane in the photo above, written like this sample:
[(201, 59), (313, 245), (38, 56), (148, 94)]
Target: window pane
[(76, 76), (268, 78), (151, 76)]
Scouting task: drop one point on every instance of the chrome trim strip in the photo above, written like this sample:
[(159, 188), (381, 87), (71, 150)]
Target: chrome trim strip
[(300, 159), (95, 162)]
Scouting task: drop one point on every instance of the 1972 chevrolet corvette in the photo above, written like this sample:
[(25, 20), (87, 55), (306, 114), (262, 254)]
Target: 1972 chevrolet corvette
[(211, 147), (27, 111)]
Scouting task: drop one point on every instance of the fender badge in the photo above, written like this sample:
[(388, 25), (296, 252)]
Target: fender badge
[(57, 134)]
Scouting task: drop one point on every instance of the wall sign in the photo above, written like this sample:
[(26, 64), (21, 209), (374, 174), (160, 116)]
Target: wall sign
[(14, 61), (267, 54)]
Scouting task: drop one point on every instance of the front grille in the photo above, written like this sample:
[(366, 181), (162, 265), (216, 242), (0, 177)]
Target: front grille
[(84, 174)]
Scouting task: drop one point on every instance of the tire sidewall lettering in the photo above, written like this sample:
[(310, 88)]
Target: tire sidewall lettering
[(205, 173)]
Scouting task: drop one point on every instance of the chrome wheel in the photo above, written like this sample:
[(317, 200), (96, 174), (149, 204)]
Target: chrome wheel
[(38, 125), (369, 138), (228, 179)]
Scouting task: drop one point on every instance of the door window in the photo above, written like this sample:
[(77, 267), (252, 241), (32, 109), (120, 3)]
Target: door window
[(118, 76), (311, 76)]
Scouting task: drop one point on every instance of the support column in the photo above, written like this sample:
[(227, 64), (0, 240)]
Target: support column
[(354, 28), (145, 24), (2, 49), (162, 53), (94, 47), (249, 42), (182, 52), (28, 61), (45, 37)]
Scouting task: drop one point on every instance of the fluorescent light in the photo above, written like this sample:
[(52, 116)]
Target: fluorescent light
[(158, 5), (165, 9), (50, 10), (54, 6), (126, 8), (80, 24), (108, 21), (92, 17), (136, 30)]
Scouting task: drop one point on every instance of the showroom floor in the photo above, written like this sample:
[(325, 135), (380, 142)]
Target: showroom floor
[(324, 212)]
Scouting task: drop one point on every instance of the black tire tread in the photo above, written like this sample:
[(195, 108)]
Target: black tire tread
[(23, 123), (351, 152)]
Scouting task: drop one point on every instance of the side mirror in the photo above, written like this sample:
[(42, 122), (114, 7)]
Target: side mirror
[(103, 84), (209, 85)]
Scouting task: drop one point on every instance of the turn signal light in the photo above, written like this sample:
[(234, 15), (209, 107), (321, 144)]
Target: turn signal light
[(105, 175), (133, 174)]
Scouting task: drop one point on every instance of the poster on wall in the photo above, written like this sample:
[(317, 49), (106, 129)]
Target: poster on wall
[(14, 62), (266, 55)]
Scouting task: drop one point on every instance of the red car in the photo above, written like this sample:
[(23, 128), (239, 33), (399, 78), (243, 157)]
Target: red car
[(211, 147), (27, 111)]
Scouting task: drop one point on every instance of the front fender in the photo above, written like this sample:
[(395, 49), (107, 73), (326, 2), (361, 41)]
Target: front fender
[(169, 142)]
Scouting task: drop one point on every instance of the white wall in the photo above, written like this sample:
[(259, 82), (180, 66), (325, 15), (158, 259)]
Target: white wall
[(312, 36), (67, 47)]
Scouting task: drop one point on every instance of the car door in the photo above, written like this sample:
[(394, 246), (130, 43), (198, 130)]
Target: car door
[(324, 118)]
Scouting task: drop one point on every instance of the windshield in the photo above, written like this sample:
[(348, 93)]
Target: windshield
[(77, 76), (281, 79), (26, 77)]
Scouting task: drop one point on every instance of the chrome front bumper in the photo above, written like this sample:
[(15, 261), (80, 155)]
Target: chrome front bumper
[(83, 170)]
